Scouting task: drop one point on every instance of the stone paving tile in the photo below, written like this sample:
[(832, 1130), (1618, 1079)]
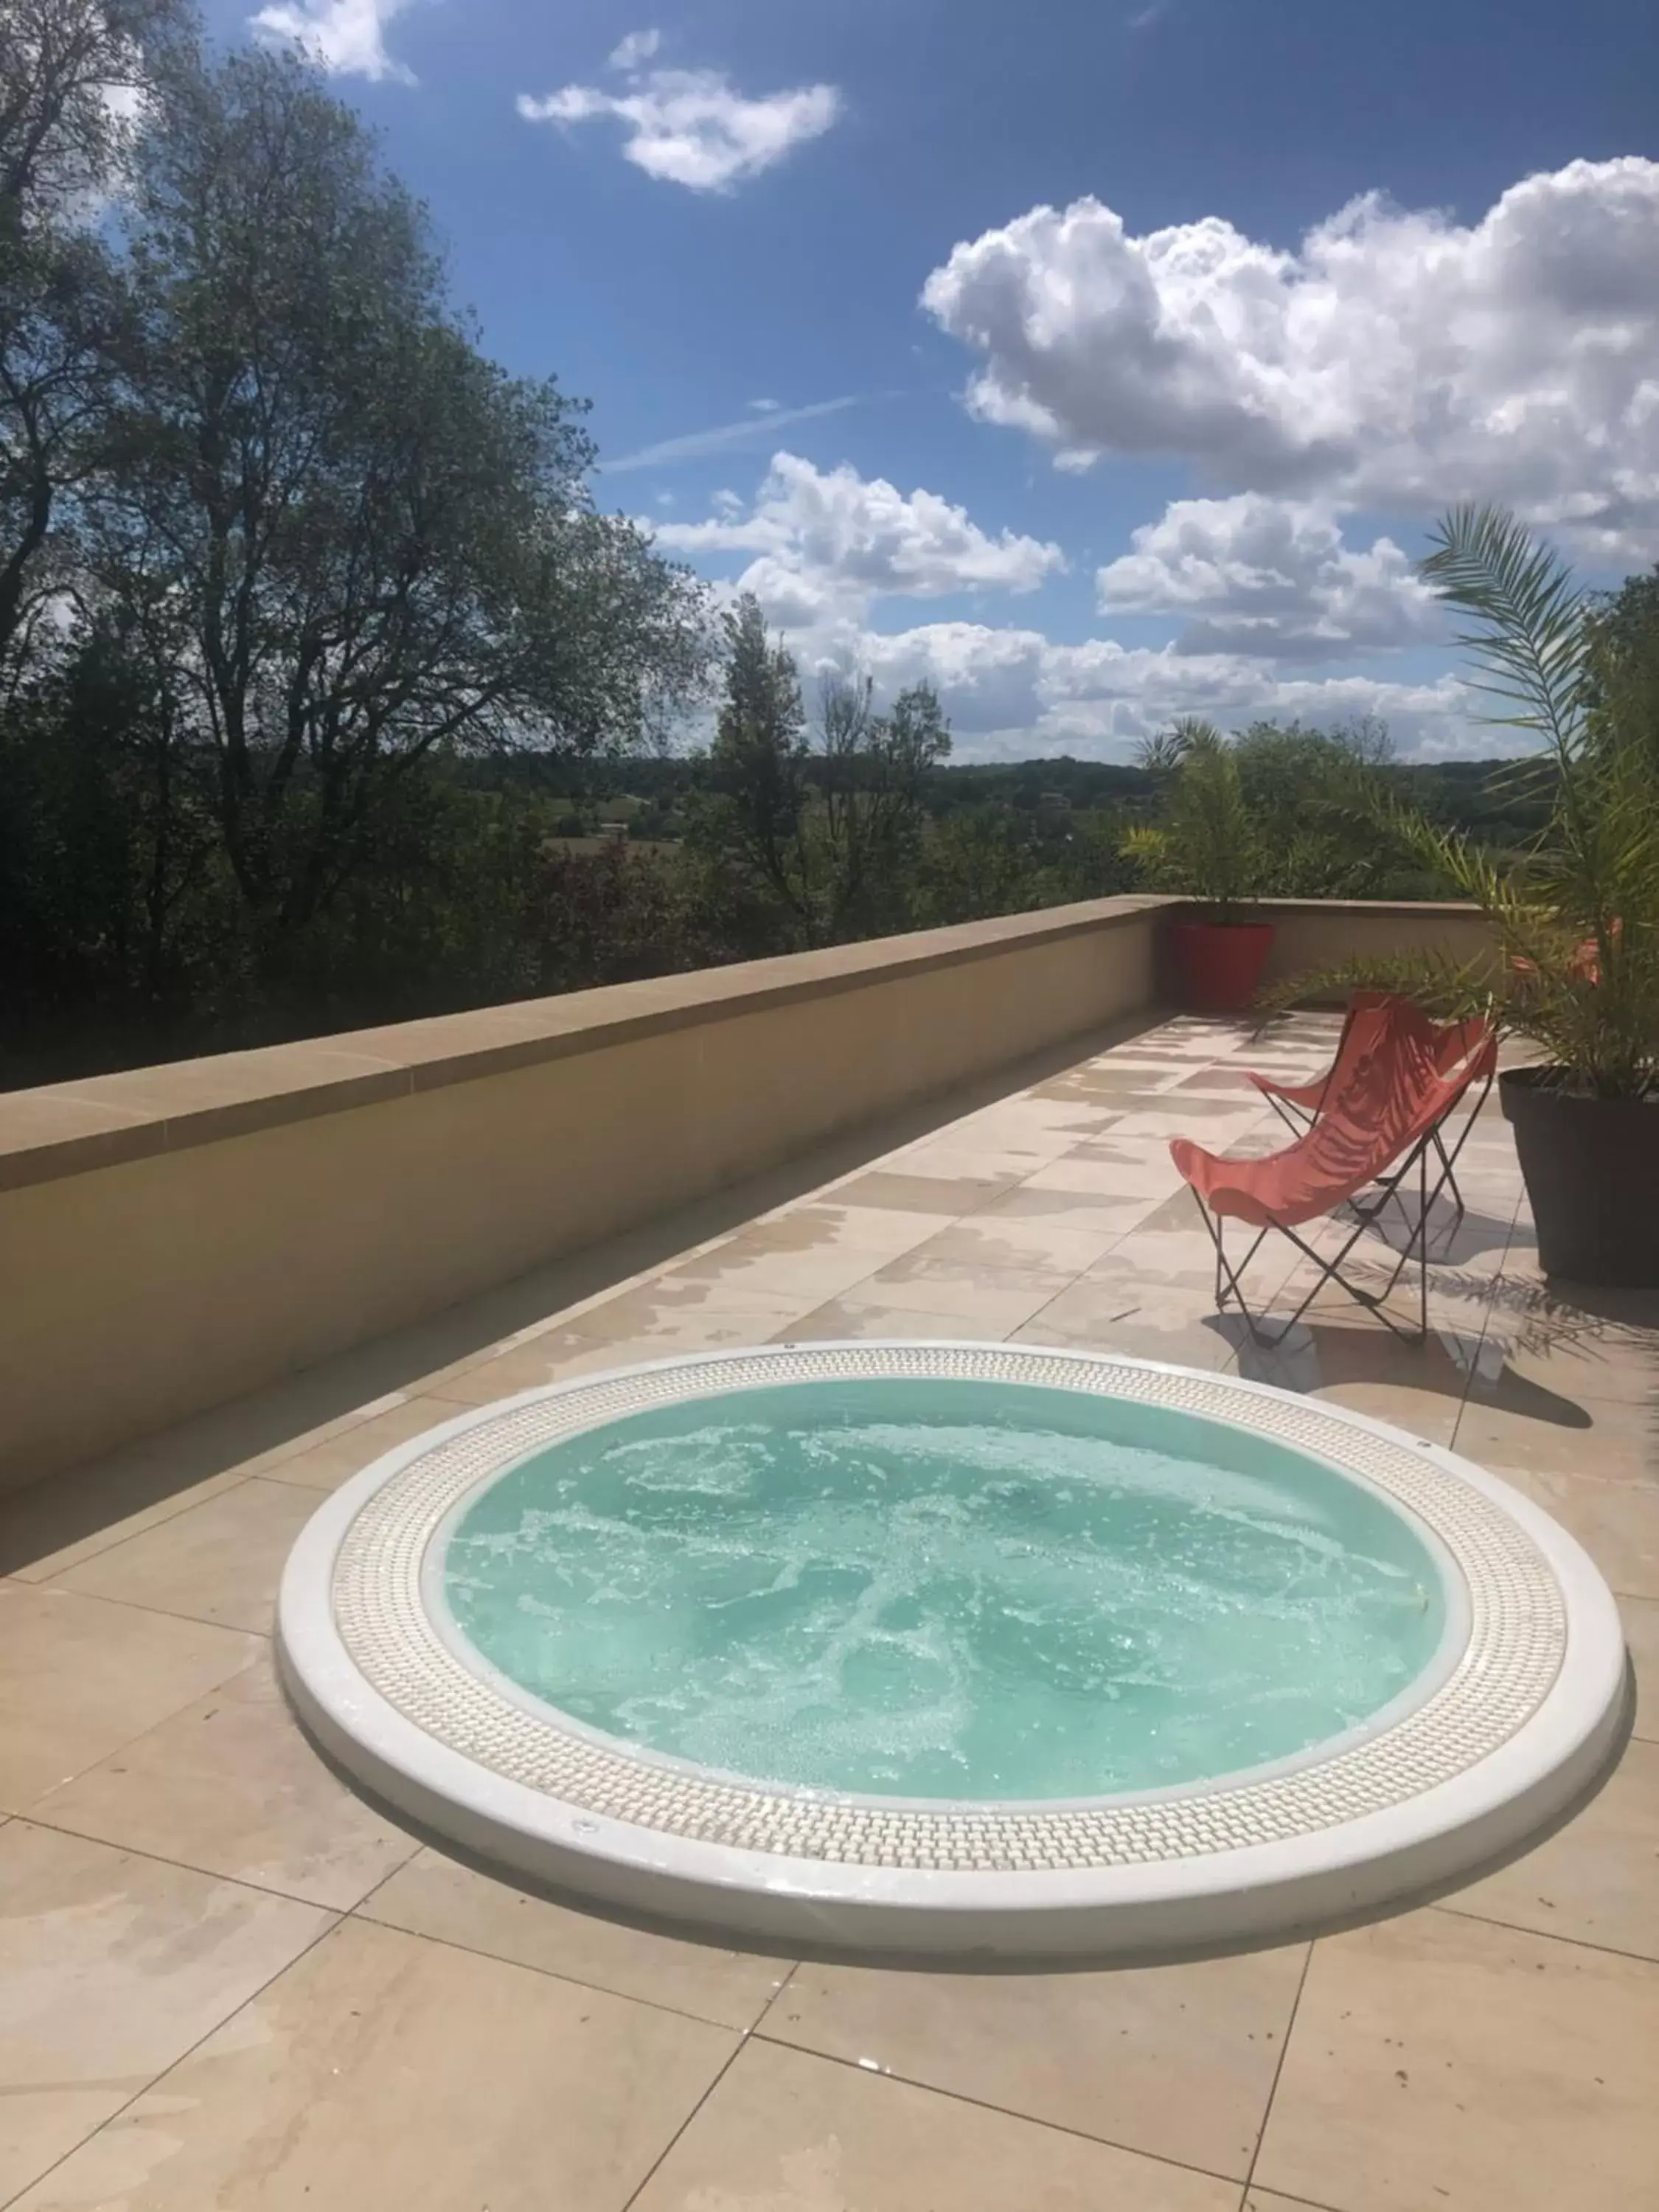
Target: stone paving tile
[(1544, 1392), (1346, 1345), (1641, 1619), (111, 1968), (1581, 1366), (1423, 1415), (1123, 1175), (1105, 1097), (1599, 1437), (1616, 1522), (1440, 2061), (783, 2132), (962, 1161), (436, 1896), (1228, 1083), (1098, 1311), (1149, 1154), (1116, 1216), (1177, 2062), (642, 1334), (802, 1232), (1216, 1124), (325, 1466), (229, 1786), (1352, 1360), (1179, 1256), (79, 1678), (1596, 1881), (1265, 2200), (219, 1562), (1455, 1318), (1176, 1344), (1268, 2202), (853, 1318), (908, 1189), (801, 1279), (52, 1526), (1588, 1344), (382, 2070), (1033, 1125), (996, 1300), (1057, 1241), (827, 1225), (673, 1305)]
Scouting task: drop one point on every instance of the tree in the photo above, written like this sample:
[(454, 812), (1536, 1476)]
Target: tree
[(828, 825), (616, 915), (279, 547), (1298, 786), (976, 863), (758, 769), (374, 546), (73, 76), (1622, 675), (875, 769)]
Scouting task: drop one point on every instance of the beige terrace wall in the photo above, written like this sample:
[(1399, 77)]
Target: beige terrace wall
[(1315, 934), (171, 1236)]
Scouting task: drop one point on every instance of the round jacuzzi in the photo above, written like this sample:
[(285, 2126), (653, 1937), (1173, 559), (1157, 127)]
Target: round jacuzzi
[(952, 1648)]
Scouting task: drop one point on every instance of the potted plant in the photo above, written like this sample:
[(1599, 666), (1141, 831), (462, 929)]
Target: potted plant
[(1575, 919), (1205, 845)]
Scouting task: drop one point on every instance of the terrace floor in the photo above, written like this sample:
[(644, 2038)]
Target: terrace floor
[(227, 1984)]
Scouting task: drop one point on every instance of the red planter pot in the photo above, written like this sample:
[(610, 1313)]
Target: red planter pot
[(1217, 964)]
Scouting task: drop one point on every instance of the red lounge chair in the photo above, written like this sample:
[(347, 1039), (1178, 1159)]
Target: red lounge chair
[(1399, 1083), (1298, 1105)]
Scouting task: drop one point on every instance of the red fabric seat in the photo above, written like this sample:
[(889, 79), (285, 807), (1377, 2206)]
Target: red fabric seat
[(1455, 1045), (1307, 1097)]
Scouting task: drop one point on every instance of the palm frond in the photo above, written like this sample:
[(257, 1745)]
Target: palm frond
[(1206, 844), (1162, 753), (1528, 618), (1449, 990)]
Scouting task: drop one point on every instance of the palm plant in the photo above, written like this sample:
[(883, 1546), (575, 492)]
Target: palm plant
[(1205, 845), (1576, 917)]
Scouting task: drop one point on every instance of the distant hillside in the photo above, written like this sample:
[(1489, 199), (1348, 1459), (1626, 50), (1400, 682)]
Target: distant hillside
[(647, 794)]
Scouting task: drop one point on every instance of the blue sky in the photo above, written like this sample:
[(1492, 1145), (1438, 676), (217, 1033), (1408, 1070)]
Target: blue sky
[(1098, 359)]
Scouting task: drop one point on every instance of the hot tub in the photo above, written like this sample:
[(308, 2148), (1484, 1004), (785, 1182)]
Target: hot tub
[(964, 1649)]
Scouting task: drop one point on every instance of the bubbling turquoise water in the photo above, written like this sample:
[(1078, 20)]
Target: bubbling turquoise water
[(945, 1589)]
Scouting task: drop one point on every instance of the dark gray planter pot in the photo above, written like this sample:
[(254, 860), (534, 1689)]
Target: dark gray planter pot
[(1591, 1166)]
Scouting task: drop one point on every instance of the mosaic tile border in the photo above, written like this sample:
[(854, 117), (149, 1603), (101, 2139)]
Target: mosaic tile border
[(1516, 1640)]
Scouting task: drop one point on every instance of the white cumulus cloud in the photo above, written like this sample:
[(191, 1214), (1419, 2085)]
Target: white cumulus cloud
[(825, 545), (1015, 693), (635, 49), (347, 36), (1395, 359), (827, 542), (693, 127), (1255, 574)]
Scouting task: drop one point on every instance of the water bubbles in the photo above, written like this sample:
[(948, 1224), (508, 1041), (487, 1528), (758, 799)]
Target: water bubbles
[(931, 1589)]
